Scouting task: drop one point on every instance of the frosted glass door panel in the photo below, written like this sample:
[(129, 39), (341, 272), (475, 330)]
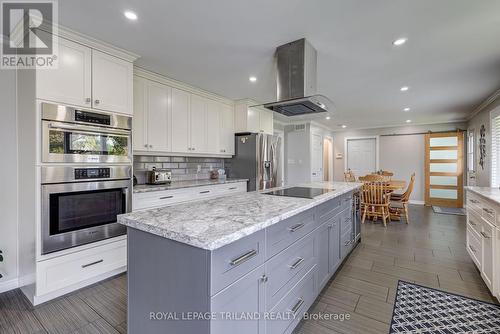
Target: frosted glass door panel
[(443, 167), (443, 154), (443, 180), (444, 193), (443, 141)]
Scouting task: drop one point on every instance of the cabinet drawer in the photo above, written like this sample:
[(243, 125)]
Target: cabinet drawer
[(236, 259), (328, 210), (345, 221), (293, 305), (347, 201), (64, 271), (474, 223), (345, 244), (159, 198), (283, 234), (488, 213), (286, 268), (473, 203), (474, 247), (231, 188)]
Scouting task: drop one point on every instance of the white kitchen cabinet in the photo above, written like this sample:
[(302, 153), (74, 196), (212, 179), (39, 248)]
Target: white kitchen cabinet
[(214, 127), (159, 117), (70, 83), (198, 124), (253, 119), (180, 120), (139, 122), (226, 139), (112, 80)]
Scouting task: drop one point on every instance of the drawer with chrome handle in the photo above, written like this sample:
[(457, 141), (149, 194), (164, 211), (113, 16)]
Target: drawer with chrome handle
[(485, 235), (293, 305), (286, 268), (488, 214), (474, 222), (233, 261), (92, 263), (243, 258), (474, 247), (281, 235)]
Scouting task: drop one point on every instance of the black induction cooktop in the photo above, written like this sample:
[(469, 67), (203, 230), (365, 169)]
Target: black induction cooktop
[(303, 192)]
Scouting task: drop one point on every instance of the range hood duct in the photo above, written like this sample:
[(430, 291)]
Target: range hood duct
[(296, 81)]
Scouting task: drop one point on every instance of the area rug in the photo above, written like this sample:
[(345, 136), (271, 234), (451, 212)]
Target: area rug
[(449, 211), (419, 309)]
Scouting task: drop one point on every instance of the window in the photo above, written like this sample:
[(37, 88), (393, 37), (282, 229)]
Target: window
[(471, 136), (495, 147)]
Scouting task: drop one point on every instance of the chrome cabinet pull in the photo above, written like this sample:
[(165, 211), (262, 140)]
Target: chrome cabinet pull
[(264, 278), (474, 201), (92, 263), (489, 211), (97, 101), (88, 100), (297, 306), (472, 249), (243, 258), (204, 192), (297, 263), (472, 223), (296, 227), (167, 197), (485, 235), (233, 188)]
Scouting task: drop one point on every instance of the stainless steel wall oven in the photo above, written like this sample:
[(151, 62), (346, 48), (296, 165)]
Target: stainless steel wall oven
[(80, 204)]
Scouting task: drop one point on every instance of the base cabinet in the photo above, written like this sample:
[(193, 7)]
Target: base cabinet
[(262, 283)]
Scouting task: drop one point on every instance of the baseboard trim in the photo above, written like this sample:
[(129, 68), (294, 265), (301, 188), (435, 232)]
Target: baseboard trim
[(9, 285), (415, 202)]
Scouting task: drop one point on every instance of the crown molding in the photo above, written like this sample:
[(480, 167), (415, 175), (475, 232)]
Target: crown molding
[(153, 76), (483, 105)]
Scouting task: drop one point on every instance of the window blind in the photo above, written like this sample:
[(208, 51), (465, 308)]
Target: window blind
[(495, 150)]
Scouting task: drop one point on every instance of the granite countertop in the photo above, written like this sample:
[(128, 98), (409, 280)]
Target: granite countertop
[(213, 223), (143, 188), (493, 194)]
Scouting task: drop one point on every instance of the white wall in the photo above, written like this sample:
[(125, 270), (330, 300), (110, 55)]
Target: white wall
[(8, 180), (403, 154)]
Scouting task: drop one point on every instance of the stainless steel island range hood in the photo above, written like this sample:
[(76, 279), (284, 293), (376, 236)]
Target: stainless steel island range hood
[(296, 81)]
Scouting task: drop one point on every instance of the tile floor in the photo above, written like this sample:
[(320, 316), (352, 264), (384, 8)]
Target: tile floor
[(430, 251)]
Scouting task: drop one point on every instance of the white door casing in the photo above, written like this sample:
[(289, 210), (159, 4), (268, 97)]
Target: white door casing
[(361, 155)]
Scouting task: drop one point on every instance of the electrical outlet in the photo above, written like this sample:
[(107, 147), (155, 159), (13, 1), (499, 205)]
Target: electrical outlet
[(199, 169)]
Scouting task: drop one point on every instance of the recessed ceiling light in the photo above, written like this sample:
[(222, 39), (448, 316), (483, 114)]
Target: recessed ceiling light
[(406, 109), (344, 126), (400, 41), (404, 88), (408, 121), (252, 79), (130, 15), (328, 117)]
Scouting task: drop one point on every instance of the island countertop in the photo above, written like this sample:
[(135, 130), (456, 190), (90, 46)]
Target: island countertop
[(492, 194), (213, 223)]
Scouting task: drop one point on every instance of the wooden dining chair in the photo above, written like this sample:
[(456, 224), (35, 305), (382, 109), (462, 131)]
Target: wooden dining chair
[(399, 202), (349, 176), (375, 200), (371, 178), (386, 175)]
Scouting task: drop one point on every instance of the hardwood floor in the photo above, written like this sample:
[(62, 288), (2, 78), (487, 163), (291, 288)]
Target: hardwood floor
[(430, 251)]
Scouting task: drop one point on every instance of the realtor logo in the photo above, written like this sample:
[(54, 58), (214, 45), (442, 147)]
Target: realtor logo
[(29, 33)]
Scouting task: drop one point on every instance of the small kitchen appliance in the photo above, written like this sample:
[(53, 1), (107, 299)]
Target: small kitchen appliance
[(159, 176)]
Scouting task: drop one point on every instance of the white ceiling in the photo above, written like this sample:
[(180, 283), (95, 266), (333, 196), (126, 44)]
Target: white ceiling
[(451, 61)]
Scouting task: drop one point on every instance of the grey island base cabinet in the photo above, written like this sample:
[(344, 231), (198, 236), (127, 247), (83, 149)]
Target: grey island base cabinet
[(261, 283)]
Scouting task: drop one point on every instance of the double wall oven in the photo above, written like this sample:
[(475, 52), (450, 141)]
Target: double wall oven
[(86, 176)]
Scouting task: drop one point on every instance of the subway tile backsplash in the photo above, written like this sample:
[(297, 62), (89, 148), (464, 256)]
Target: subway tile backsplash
[(183, 168)]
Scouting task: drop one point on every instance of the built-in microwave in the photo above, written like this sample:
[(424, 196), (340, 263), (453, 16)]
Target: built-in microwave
[(71, 135), (80, 204)]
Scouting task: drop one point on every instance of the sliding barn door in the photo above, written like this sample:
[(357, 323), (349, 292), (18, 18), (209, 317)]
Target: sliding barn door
[(444, 169)]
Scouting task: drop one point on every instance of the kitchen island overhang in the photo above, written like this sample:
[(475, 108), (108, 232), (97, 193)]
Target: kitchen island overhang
[(194, 267)]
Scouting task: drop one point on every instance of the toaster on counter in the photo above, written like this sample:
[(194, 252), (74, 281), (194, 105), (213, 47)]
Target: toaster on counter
[(159, 176)]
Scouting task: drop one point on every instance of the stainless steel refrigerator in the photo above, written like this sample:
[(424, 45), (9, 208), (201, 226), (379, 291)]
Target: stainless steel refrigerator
[(256, 158)]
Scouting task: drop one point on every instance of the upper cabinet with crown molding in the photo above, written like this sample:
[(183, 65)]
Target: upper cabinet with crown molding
[(88, 77), (253, 119), (191, 122)]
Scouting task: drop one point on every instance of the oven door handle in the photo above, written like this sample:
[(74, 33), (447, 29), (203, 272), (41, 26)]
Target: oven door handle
[(88, 129)]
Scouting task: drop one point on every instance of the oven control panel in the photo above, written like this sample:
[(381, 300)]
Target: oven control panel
[(92, 173), (91, 117)]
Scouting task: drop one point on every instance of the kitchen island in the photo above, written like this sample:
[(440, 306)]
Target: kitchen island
[(250, 263)]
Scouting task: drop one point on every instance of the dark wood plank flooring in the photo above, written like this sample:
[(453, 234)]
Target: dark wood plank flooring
[(430, 251)]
